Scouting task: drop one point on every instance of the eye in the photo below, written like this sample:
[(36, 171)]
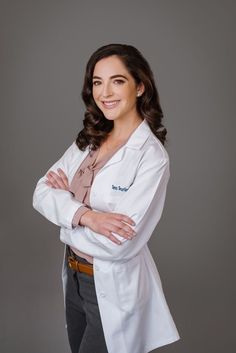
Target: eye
[(120, 81), (95, 83)]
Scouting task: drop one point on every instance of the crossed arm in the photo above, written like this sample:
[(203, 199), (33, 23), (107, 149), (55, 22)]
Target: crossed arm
[(101, 222), (142, 203)]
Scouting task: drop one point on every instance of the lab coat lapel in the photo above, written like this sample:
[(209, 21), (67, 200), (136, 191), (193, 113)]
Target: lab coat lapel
[(135, 141)]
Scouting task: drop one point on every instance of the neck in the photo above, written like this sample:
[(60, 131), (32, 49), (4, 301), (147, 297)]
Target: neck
[(122, 129)]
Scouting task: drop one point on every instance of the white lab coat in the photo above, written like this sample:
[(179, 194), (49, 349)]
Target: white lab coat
[(134, 312)]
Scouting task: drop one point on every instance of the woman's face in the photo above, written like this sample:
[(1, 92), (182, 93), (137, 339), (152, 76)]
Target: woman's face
[(114, 89)]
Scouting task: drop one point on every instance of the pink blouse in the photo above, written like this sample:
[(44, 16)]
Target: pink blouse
[(81, 184)]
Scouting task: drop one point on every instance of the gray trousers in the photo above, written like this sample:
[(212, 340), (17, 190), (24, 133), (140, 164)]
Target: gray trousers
[(84, 326)]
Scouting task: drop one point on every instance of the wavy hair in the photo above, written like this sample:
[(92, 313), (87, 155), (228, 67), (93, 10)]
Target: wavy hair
[(96, 126)]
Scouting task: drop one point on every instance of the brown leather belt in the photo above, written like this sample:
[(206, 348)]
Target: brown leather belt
[(79, 266)]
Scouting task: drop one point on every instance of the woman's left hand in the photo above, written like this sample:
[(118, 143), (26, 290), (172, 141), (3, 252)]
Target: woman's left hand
[(57, 181)]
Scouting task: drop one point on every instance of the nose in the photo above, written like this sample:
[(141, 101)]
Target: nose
[(106, 90)]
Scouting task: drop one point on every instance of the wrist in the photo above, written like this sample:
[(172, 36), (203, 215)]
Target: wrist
[(85, 218)]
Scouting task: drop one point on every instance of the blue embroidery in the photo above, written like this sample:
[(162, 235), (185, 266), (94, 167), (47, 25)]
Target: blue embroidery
[(119, 188)]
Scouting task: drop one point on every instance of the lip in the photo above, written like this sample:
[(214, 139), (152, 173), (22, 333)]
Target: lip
[(109, 104)]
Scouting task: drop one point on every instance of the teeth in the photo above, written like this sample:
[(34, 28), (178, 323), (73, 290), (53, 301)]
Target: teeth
[(110, 104)]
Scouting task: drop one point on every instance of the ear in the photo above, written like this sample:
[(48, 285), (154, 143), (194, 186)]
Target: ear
[(140, 89)]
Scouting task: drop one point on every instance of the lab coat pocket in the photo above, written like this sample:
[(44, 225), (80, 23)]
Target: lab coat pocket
[(132, 286)]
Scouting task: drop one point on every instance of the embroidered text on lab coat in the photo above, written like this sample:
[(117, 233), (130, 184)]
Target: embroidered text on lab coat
[(119, 188)]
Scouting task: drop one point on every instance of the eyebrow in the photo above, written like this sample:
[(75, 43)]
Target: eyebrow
[(114, 76)]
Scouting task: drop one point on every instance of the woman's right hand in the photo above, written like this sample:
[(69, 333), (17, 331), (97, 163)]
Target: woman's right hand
[(106, 222)]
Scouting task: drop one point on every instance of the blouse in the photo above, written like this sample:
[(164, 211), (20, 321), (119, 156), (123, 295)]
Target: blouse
[(81, 183)]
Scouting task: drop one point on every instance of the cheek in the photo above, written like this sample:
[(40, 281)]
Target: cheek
[(129, 100), (129, 94), (95, 92), (96, 99)]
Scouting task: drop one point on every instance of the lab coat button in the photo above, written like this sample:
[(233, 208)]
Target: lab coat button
[(96, 268), (102, 295)]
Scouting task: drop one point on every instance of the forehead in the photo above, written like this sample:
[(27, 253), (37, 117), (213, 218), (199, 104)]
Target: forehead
[(109, 66)]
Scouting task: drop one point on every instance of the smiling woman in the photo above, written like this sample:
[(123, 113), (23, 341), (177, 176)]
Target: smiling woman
[(116, 98), (107, 194), (119, 73)]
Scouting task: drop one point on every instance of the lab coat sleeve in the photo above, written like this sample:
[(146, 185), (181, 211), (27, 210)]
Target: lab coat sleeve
[(57, 205), (143, 203)]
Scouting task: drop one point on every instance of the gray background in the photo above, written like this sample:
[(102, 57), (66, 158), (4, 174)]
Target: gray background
[(45, 46)]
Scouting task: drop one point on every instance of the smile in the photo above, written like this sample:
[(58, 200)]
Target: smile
[(110, 105)]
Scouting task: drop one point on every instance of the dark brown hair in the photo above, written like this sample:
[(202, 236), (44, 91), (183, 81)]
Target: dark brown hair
[(96, 126)]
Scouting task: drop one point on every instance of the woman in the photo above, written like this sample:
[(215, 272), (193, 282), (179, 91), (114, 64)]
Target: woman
[(107, 194)]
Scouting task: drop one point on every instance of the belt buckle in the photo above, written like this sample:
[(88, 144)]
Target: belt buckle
[(73, 263)]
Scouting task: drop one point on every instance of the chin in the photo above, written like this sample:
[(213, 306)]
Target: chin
[(111, 118)]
